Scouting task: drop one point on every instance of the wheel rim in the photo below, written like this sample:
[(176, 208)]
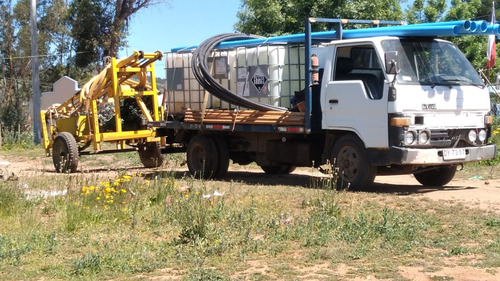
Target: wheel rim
[(150, 154), (348, 162), (198, 157)]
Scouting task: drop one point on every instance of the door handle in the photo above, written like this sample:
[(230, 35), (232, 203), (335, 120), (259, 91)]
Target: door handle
[(333, 101)]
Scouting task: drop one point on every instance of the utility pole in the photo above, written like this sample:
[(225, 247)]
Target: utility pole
[(35, 76)]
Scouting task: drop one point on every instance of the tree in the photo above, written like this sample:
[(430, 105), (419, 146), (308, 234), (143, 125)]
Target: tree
[(274, 17), (464, 9), (90, 22), (124, 9), (99, 27), (473, 47), (420, 12), (6, 49)]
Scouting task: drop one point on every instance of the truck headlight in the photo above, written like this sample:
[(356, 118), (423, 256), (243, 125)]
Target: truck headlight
[(472, 135), (482, 135), (423, 137), (409, 137)]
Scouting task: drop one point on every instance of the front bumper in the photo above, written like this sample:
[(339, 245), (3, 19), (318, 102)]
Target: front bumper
[(430, 156)]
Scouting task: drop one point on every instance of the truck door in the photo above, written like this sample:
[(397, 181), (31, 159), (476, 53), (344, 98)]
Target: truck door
[(355, 96)]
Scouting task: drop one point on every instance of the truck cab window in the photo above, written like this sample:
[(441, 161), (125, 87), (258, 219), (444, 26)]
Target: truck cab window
[(431, 62), (361, 63)]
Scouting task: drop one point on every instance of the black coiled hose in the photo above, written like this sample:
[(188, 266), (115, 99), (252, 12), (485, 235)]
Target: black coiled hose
[(206, 80)]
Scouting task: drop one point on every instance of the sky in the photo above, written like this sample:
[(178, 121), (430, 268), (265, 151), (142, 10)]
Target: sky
[(179, 23)]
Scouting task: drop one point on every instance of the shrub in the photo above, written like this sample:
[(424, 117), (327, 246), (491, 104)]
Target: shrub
[(12, 139)]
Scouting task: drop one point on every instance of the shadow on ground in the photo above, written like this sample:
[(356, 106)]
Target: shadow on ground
[(257, 177), (308, 181)]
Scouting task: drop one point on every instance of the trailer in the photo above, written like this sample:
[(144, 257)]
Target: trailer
[(114, 107)]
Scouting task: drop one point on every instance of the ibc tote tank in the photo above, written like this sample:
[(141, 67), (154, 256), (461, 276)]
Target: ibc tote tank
[(266, 74)]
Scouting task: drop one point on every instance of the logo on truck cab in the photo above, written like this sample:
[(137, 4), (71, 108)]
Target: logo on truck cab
[(429, 106)]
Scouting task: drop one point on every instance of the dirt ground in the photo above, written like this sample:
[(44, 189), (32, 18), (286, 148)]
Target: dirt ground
[(474, 192), (484, 194)]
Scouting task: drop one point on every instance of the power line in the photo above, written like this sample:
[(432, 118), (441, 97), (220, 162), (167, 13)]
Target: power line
[(39, 56)]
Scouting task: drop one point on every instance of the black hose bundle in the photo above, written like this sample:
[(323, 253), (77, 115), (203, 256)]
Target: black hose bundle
[(202, 73)]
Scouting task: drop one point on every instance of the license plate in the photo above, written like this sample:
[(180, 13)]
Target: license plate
[(454, 153)]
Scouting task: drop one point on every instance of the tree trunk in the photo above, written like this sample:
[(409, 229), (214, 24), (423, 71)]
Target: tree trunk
[(124, 9)]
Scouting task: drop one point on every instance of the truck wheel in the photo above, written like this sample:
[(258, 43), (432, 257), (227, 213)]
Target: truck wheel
[(351, 158), (65, 153), (436, 177), (202, 157), (278, 169), (150, 154), (223, 156)]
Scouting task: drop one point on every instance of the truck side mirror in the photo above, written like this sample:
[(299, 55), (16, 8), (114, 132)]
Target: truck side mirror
[(392, 63)]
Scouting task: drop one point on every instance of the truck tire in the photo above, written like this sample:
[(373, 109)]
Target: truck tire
[(278, 169), (65, 153), (436, 177), (202, 157), (351, 158), (223, 156), (150, 154)]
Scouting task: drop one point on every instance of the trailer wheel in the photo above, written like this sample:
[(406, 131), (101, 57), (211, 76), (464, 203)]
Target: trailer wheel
[(223, 156), (202, 157), (150, 154), (351, 158), (436, 177), (65, 153), (278, 169)]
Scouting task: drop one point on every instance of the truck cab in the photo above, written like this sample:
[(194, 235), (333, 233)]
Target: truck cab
[(403, 105)]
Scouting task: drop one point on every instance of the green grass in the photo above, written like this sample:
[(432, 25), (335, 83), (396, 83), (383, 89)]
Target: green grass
[(163, 222), (127, 225)]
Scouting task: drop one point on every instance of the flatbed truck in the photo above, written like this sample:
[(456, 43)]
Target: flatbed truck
[(366, 106)]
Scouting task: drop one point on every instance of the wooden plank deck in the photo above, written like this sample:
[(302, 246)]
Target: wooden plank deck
[(251, 117)]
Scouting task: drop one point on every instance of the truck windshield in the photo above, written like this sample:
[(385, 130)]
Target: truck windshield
[(432, 62)]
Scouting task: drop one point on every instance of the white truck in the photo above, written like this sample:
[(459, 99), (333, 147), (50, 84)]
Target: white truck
[(375, 105)]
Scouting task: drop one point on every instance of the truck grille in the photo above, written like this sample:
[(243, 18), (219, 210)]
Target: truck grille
[(447, 138)]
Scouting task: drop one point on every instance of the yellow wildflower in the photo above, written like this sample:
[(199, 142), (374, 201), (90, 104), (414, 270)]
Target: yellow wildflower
[(98, 198), (123, 190)]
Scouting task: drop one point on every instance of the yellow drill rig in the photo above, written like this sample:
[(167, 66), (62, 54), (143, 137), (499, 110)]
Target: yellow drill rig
[(113, 106)]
